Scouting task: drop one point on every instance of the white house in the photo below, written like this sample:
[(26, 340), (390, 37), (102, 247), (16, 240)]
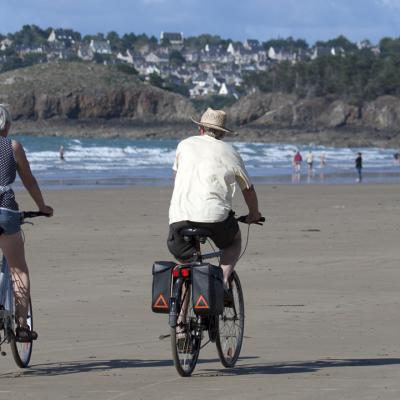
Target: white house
[(128, 58), (61, 35), (100, 46)]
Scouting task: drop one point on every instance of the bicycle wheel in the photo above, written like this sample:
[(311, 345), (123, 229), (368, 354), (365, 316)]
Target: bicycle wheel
[(22, 351), (231, 326), (186, 336)]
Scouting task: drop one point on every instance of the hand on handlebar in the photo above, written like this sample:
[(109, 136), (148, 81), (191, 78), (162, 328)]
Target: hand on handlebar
[(253, 218), (249, 219), (47, 210)]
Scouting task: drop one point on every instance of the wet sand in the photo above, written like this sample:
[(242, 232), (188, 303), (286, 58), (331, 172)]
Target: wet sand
[(322, 291)]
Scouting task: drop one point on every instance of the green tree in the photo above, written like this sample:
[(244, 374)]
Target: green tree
[(176, 59), (156, 80), (115, 41)]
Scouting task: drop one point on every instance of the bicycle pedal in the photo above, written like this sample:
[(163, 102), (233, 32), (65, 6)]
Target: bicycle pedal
[(162, 337)]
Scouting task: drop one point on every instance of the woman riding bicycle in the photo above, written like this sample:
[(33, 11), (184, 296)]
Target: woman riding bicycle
[(13, 160), (206, 171)]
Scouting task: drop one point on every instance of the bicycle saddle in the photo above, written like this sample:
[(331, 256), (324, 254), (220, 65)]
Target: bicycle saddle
[(195, 232)]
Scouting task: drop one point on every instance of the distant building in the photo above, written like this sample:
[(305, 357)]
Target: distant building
[(5, 43), (61, 35), (85, 52), (228, 90), (327, 51), (252, 45), (173, 38), (100, 46)]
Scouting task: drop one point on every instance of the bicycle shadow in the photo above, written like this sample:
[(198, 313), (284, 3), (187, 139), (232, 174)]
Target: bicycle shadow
[(77, 367), (300, 367)]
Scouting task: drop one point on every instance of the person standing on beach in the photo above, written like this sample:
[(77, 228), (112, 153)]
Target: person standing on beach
[(310, 161), (206, 173), (61, 153), (297, 160), (359, 166), (322, 160), (13, 160)]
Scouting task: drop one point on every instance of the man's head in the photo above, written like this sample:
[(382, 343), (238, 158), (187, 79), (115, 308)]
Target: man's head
[(212, 123), (5, 120)]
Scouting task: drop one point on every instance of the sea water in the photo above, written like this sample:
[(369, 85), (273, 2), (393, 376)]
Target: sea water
[(120, 162)]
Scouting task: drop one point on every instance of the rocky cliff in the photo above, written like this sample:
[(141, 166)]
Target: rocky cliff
[(82, 99), (79, 91), (324, 120)]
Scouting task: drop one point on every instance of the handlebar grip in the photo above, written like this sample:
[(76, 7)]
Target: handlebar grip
[(33, 214), (243, 220)]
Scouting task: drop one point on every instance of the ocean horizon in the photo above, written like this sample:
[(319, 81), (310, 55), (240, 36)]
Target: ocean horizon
[(125, 162)]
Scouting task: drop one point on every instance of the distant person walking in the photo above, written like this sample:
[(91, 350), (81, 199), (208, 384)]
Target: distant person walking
[(297, 159), (396, 158), (61, 153), (310, 161), (359, 166), (322, 160)]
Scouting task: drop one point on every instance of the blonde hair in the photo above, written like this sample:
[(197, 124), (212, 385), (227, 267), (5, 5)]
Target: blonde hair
[(5, 116)]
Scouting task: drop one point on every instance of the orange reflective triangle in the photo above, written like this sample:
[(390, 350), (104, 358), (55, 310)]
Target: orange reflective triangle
[(161, 302), (201, 303)]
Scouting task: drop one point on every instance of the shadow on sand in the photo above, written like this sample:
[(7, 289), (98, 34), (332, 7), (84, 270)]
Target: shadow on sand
[(294, 367), (77, 367), (299, 367)]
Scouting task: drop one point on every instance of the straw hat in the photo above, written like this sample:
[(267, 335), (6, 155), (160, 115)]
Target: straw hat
[(214, 119)]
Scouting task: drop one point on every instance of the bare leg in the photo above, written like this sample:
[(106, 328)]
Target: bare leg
[(230, 256), (13, 249)]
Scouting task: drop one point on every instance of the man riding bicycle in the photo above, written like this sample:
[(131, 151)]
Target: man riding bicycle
[(206, 173)]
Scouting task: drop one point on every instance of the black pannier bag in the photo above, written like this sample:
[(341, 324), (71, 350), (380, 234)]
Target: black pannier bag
[(161, 291), (208, 290)]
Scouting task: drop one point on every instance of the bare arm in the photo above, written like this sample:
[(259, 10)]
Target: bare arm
[(27, 178), (250, 197)]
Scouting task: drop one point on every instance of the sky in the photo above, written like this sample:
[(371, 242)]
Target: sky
[(231, 19)]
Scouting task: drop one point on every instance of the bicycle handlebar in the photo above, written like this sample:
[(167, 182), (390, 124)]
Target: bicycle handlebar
[(242, 219), (33, 214)]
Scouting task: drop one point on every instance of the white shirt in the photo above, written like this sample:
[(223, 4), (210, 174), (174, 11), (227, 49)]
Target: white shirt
[(207, 170)]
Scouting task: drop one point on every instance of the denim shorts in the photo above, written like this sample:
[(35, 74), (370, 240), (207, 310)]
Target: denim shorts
[(10, 221)]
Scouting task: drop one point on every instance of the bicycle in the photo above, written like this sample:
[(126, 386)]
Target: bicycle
[(187, 327), (21, 351)]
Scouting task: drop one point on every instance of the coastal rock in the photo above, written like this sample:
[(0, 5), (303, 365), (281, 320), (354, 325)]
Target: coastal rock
[(78, 91), (259, 105), (382, 114), (338, 114)]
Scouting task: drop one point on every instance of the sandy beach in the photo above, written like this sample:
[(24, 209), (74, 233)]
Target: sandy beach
[(322, 289)]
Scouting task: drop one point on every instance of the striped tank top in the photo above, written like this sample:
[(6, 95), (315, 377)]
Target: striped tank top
[(8, 172)]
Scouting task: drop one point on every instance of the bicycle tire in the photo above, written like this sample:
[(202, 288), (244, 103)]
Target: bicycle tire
[(185, 351), (22, 351), (231, 326)]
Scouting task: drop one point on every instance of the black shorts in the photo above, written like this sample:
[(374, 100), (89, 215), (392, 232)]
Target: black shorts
[(223, 234)]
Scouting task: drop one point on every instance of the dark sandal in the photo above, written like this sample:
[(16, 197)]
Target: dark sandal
[(25, 335)]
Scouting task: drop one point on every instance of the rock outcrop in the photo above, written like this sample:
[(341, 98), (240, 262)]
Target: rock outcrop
[(96, 100), (277, 110), (80, 91)]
